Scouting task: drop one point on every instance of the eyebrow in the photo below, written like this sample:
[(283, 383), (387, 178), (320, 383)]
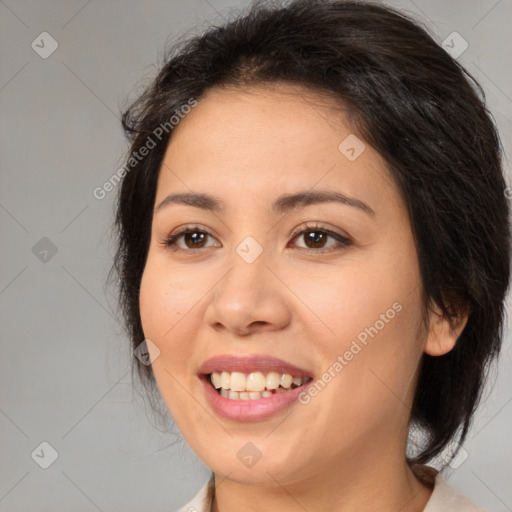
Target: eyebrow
[(281, 205)]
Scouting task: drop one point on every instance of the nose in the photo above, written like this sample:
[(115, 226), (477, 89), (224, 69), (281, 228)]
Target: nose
[(248, 299)]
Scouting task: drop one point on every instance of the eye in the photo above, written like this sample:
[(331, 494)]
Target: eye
[(192, 236), (315, 239)]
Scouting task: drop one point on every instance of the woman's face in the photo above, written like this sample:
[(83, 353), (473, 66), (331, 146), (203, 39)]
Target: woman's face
[(276, 277)]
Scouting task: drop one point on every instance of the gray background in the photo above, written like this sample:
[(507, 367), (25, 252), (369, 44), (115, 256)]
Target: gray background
[(64, 375)]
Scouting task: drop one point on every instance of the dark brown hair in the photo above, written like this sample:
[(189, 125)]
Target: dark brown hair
[(411, 101)]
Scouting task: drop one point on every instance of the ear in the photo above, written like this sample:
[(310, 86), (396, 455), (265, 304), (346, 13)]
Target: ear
[(443, 331)]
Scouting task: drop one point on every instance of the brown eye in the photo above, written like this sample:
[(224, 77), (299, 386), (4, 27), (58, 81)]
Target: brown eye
[(192, 239), (316, 239)]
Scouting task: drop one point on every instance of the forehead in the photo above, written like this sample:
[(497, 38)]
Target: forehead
[(263, 141), (285, 119)]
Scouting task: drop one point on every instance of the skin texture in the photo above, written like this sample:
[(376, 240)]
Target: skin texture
[(345, 449)]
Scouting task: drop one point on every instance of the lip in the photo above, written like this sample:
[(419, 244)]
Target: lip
[(252, 363), (250, 410)]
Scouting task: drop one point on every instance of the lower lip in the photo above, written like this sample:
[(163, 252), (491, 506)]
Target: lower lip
[(250, 410)]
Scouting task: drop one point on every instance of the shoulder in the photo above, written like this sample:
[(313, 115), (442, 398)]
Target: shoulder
[(202, 501), (445, 498)]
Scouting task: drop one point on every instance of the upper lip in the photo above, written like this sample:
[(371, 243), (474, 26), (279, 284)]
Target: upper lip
[(249, 364)]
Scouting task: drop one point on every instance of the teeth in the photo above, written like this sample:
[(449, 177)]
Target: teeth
[(256, 381), (238, 381), (216, 379), (225, 379), (286, 380), (255, 385), (273, 380)]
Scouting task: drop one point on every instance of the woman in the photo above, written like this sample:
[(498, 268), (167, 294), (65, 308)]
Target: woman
[(314, 249)]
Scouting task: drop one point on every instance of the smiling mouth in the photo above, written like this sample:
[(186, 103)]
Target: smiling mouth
[(255, 385)]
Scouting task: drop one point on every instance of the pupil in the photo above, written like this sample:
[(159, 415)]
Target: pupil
[(316, 238), (195, 236)]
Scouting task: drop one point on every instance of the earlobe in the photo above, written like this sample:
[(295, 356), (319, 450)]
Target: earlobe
[(443, 332)]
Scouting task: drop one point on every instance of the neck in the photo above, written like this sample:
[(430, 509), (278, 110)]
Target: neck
[(387, 483)]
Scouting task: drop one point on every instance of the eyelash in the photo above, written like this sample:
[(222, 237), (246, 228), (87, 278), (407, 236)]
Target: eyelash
[(343, 241)]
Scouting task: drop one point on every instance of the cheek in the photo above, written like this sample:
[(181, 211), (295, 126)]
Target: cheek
[(380, 355), (369, 314), (165, 298), (341, 302), (167, 317), (164, 301)]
